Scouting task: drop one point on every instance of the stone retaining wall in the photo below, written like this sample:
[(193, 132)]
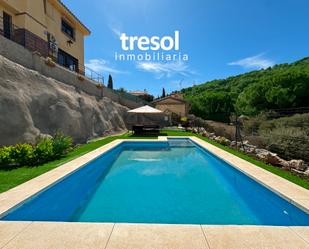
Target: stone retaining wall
[(34, 61)]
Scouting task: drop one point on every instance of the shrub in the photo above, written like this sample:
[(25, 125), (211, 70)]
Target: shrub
[(61, 145), (22, 154), (289, 142), (286, 136), (251, 125), (5, 156), (43, 151)]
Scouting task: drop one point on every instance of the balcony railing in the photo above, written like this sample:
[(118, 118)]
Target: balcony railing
[(90, 74), (18, 35)]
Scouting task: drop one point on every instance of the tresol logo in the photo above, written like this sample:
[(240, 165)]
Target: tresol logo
[(154, 48)]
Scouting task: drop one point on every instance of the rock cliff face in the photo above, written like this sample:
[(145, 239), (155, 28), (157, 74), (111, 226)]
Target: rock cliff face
[(32, 104)]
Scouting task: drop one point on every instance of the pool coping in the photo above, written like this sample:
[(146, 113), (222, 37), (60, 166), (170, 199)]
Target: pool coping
[(23, 234), (289, 191), (41, 235)]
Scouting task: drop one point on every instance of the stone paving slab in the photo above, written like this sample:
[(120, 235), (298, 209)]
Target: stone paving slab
[(9, 230), (303, 232), (45, 235), (67, 235), (253, 237), (157, 236)]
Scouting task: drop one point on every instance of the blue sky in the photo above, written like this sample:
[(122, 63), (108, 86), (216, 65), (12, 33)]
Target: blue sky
[(221, 37)]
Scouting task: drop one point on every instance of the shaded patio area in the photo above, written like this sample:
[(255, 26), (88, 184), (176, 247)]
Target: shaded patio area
[(147, 121)]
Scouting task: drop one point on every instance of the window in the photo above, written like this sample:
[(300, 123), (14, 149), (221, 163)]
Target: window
[(7, 25), (67, 60), (67, 29)]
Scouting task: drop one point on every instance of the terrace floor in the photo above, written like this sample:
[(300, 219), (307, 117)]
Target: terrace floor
[(120, 235)]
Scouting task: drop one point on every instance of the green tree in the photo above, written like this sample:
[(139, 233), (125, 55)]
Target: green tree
[(163, 93), (280, 86), (110, 82)]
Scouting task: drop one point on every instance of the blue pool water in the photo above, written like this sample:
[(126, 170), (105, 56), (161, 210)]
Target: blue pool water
[(159, 182)]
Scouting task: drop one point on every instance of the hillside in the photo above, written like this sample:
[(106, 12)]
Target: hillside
[(282, 86), (32, 105)]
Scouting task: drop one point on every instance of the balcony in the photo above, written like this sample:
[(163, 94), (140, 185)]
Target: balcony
[(34, 43)]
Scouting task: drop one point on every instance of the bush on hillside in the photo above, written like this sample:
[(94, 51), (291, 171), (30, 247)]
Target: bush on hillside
[(250, 126), (287, 136), (290, 143)]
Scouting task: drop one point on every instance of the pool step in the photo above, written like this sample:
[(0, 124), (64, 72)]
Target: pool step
[(180, 143)]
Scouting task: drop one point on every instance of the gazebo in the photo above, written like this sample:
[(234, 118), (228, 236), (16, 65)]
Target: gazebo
[(146, 109), (139, 127)]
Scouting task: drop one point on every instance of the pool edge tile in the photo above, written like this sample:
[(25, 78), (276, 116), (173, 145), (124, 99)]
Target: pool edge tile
[(302, 232), (253, 237), (159, 236), (10, 229), (41, 235)]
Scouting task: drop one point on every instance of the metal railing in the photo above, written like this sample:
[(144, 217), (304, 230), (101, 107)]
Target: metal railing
[(128, 96), (90, 74), (17, 34)]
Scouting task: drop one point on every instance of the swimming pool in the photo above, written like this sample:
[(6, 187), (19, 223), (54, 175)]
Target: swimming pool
[(175, 182)]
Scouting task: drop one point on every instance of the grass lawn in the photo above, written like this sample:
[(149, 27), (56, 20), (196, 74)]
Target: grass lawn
[(13, 177)]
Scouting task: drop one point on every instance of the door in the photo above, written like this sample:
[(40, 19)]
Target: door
[(67, 60), (7, 25)]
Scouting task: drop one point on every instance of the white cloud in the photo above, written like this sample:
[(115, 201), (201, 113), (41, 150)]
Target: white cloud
[(165, 69), (256, 61), (102, 66)]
